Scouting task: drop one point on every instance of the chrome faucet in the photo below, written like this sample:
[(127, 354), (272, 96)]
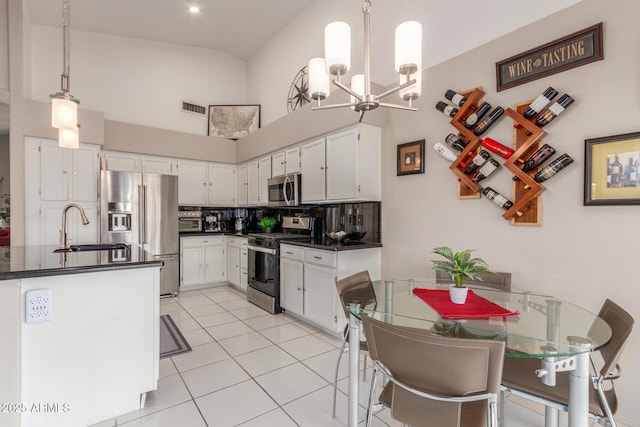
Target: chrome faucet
[(63, 230)]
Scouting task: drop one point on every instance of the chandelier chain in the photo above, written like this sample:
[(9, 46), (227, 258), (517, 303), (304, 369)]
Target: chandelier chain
[(66, 35)]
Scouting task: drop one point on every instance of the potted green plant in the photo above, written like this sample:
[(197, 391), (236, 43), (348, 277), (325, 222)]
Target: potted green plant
[(5, 211), (267, 223), (460, 267)]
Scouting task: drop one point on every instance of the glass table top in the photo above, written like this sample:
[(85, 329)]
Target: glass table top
[(545, 326)]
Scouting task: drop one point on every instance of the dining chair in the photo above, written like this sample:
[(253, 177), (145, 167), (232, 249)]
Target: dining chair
[(434, 380), (497, 280), (519, 376), (356, 288)]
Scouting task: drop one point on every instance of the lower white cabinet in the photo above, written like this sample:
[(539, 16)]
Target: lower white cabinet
[(202, 261), (308, 281), (237, 261)]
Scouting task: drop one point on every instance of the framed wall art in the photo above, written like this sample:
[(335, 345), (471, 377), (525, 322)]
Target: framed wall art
[(611, 170), (411, 158), (233, 121)]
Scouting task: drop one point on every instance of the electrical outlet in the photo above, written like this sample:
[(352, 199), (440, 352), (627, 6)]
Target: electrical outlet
[(38, 306)]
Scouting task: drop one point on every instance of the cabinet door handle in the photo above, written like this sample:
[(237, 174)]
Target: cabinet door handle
[(317, 257), (289, 253)]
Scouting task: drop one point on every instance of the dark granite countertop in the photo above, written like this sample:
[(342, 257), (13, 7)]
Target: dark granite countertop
[(331, 245), (213, 234), (21, 262)]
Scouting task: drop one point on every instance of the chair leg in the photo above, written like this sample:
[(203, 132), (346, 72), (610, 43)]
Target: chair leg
[(374, 378), (605, 404), (364, 370), (335, 378), (502, 419)]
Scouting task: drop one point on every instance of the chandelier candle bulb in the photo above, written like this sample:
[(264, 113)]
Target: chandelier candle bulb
[(455, 98), (408, 47), (471, 121), (496, 147), (540, 102), (553, 168), (319, 85), (446, 109), (444, 151), (490, 119), (337, 48), (357, 85)]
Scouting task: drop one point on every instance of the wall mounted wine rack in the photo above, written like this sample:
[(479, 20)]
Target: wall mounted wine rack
[(526, 209)]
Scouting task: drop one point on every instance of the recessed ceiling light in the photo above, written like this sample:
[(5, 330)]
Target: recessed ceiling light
[(194, 9)]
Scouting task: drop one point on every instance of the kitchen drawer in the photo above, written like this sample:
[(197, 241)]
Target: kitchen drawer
[(244, 243), (292, 252), (233, 242), (325, 258), (191, 242)]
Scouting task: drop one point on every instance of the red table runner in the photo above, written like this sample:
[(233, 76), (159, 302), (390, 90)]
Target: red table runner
[(476, 307)]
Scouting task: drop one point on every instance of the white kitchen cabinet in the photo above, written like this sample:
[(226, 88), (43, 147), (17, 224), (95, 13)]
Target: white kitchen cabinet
[(129, 162), (222, 185), (206, 184), (285, 162), (243, 185), (202, 261), (67, 174), (244, 263), (192, 183), (308, 281), (258, 173), (233, 260), (343, 166)]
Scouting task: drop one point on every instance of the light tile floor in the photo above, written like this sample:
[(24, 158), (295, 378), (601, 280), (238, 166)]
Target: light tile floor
[(253, 369)]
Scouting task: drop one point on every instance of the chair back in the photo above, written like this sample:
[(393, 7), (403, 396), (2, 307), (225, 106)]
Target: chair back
[(621, 324), (500, 281), (449, 367), (356, 288)]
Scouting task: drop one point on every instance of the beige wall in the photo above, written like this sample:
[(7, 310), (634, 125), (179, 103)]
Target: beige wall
[(4, 46), (580, 254)]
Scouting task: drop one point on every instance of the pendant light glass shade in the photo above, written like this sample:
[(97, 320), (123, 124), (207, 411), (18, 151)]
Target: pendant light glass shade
[(337, 47), (69, 137), (408, 47), (319, 86), (64, 113), (357, 85), (415, 90)]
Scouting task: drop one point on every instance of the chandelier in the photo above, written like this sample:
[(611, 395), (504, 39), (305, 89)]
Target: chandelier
[(64, 107), (337, 61)]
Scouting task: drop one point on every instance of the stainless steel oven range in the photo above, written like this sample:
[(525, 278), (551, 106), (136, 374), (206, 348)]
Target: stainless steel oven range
[(264, 262)]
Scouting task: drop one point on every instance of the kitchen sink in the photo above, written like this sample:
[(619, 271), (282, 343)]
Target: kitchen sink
[(93, 247)]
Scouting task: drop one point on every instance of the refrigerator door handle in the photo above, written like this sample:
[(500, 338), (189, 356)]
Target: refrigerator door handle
[(144, 215)]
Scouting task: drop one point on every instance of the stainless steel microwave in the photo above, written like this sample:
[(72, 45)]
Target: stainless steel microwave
[(285, 190)]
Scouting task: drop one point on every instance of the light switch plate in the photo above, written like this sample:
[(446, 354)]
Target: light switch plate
[(38, 306)]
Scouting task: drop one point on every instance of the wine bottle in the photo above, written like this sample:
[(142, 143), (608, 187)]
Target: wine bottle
[(630, 174), (455, 98), (554, 110), (553, 168), (455, 142), (446, 109), (445, 151), (477, 161), (491, 118), (477, 115), (537, 158), (616, 172), (496, 147), (497, 198), (487, 169), (540, 102)]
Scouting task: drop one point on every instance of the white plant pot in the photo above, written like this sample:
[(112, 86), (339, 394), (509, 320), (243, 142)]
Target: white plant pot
[(458, 295)]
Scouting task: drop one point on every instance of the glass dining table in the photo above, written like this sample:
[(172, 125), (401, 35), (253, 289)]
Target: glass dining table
[(559, 333)]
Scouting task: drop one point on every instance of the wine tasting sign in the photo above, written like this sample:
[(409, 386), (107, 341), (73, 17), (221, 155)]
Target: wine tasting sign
[(574, 50)]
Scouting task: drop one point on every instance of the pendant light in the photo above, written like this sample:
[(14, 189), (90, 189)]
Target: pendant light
[(64, 107)]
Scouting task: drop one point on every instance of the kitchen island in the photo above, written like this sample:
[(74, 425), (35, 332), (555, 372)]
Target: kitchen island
[(97, 355)]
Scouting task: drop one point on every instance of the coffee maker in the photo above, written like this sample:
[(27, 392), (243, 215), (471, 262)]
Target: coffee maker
[(214, 223)]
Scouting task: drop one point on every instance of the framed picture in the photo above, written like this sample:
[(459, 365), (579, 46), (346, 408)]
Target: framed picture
[(411, 158), (233, 121), (611, 169)]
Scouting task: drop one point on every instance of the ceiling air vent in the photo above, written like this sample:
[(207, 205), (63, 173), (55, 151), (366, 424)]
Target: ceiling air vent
[(193, 108)]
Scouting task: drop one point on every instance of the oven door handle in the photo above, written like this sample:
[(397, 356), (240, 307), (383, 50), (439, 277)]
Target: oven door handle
[(261, 249)]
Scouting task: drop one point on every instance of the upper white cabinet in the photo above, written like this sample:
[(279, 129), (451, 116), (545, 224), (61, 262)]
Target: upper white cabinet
[(67, 174), (258, 173), (285, 162), (128, 162), (206, 184), (243, 185), (343, 166)]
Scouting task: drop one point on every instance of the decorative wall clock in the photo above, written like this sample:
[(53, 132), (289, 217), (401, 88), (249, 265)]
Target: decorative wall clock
[(299, 90)]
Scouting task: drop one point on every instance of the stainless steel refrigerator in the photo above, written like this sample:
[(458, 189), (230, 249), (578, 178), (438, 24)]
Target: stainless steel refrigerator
[(141, 209)]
